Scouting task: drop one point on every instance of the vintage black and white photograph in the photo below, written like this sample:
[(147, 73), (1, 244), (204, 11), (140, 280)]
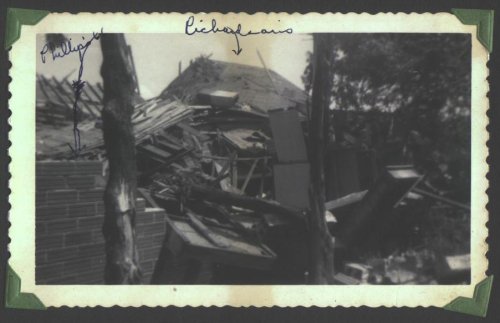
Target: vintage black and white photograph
[(291, 159)]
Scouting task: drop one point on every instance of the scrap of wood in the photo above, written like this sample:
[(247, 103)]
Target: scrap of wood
[(441, 199), (145, 194), (249, 175), (202, 229), (252, 203)]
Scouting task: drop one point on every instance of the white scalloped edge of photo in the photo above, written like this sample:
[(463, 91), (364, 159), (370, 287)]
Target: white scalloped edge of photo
[(22, 166)]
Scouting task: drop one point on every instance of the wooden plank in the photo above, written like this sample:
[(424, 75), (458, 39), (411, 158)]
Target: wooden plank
[(162, 142), (145, 194), (204, 230), (371, 214), (157, 152), (260, 205), (234, 173), (89, 110), (291, 184), (345, 200), (188, 242), (288, 137), (98, 97), (249, 175), (441, 199)]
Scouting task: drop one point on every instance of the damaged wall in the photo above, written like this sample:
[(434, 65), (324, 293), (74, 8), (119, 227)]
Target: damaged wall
[(69, 218)]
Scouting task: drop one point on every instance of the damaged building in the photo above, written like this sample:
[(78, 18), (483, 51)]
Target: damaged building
[(224, 179)]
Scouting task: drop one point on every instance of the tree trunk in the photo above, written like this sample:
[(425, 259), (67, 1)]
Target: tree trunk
[(122, 261), (321, 243)]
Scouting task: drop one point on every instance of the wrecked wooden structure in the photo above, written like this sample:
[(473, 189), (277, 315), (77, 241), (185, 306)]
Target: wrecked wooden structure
[(223, 151)]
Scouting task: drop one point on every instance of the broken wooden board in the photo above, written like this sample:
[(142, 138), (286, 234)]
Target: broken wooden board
[(369, 216), (291, 184), (288, 136), (247, 140), (345, 201), (185, 241)]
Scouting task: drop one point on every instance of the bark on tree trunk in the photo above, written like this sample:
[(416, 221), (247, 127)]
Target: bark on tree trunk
[(321, 244), (122, 261)]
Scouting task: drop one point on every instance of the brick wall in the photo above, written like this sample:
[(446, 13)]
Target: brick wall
[(69, 217)]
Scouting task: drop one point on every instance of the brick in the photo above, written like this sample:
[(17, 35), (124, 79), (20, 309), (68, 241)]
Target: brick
[(98, 262), (77, 238), (48, 271), (143, 218), (60, 197), (91, 277), (100, 181), (91, 250), (160, 217), (41, 198), (77, 266), (81, 181), (62, 226), (40, 257), (140, 204), (158, 239), (149, 254), (82, 209), (100, 207), (40, 228), (93, 195), (51, 212), (148, 229), (97, 235), (45, 242), (144, 242), (45, 183), (90, 223), (88, 167), (49, 168), (147, 267), (64, 280), (63, 254)]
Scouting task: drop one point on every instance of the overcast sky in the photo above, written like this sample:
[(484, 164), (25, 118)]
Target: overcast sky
[(157, 56)]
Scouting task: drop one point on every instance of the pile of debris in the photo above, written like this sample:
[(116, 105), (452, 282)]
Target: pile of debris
[(228, 161)]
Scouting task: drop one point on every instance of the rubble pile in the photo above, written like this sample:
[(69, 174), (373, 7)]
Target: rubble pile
[(233, 178)]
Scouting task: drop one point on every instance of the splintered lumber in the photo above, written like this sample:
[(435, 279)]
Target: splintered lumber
[(288, 136), (291, 184), (345, 200), (186, 241), (371, 214), (249, 175), (243, 201), (155, 152), (202, 229), (441, 199)]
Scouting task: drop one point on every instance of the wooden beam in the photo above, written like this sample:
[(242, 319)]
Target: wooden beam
[(441, 199), (249, 175), (234, 171), (196, 191)]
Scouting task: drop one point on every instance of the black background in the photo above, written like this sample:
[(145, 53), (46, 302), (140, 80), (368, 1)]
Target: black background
[(240, 315)]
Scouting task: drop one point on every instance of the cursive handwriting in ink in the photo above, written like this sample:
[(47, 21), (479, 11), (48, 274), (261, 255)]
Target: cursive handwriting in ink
[(190, 29), (65, 49)]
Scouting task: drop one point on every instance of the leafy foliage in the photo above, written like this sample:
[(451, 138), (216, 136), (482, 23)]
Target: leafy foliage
[(423, 82)]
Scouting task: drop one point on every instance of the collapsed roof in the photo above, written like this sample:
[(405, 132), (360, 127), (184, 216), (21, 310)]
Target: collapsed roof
[(260, 88)]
